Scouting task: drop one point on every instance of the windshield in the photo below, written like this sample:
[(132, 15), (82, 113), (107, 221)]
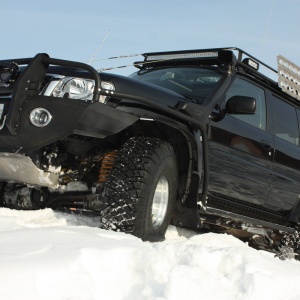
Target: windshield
[(194, 83)]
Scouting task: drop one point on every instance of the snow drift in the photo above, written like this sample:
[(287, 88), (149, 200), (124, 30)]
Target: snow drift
[(50, 255)]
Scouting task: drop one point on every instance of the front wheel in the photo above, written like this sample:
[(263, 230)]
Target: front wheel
[(141, 190)]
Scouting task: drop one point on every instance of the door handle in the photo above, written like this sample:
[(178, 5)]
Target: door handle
[(267, 146)]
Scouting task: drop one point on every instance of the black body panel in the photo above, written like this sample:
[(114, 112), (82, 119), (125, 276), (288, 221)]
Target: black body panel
[(285, 189), (69, 117), (240, 165)]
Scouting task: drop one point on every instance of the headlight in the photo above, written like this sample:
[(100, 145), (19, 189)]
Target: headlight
[(74, 88), (79, 88)]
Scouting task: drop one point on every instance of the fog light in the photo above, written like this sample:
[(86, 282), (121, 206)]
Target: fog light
[(8, 72), (40, 117), (4, 76)]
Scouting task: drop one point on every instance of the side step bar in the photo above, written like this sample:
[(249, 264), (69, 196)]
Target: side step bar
[(252, 221)]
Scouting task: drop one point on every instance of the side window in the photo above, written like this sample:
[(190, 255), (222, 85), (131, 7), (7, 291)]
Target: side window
[(285, 122), (242, 87)]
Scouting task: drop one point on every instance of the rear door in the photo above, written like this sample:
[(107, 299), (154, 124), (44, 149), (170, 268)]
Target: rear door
[(241, 150), (285, 187)]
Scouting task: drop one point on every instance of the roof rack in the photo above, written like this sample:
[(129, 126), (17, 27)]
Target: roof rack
[(207, 57)]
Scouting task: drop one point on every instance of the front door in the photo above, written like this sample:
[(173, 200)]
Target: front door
[(241, 150)]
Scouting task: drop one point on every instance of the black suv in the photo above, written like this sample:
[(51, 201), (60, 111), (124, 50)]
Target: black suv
[(198, 138)]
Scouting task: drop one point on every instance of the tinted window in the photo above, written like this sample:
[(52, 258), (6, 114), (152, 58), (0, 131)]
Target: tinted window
[(285, 122), (194, 83), (242, 87)]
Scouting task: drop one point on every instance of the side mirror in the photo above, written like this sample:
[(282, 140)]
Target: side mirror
[(241, 105)]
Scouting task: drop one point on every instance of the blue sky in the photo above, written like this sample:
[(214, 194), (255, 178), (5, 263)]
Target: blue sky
[(75, 29)]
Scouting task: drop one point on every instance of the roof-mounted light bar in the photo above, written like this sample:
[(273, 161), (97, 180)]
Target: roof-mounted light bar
[(288, 77), (229, 56), (169, 56)]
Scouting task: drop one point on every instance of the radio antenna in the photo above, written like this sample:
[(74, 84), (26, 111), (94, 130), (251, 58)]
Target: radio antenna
[(100, 46), (267, 28)]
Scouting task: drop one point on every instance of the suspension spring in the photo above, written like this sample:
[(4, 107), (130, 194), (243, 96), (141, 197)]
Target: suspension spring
[(108, 162)]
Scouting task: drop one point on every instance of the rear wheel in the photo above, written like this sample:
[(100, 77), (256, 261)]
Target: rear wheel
[(141, 190), (290, 245)]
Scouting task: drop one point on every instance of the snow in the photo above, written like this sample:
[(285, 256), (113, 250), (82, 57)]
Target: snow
[(51, 255)]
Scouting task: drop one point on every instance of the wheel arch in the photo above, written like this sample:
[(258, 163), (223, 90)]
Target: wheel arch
[(188, 150)]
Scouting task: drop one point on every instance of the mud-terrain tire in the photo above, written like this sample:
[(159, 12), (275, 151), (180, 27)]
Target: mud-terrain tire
[(141, 190)]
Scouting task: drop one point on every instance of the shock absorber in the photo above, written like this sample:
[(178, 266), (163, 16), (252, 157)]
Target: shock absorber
[(108, 161)]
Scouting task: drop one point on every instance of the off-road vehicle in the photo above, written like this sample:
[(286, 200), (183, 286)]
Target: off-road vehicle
[(197, 138)]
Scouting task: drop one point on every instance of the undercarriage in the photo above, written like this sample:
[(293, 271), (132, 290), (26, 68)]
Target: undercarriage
[(67, 174)]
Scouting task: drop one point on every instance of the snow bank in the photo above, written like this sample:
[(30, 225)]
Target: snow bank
[(48, 255)]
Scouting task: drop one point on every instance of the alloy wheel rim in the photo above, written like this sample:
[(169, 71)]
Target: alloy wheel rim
[(160, 202)]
